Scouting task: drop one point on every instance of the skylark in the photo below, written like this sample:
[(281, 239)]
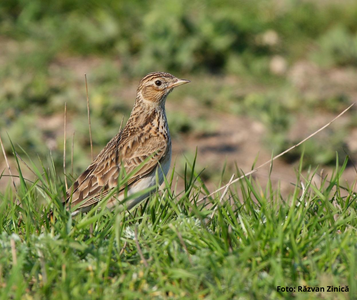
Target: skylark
[(145, 141)]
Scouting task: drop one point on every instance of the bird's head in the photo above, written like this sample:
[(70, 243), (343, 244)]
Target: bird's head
[(155, 87)]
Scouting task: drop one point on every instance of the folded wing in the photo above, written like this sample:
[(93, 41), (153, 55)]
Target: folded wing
[(102, 175)]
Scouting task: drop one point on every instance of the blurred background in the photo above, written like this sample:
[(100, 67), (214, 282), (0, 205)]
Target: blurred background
[(264, 74)]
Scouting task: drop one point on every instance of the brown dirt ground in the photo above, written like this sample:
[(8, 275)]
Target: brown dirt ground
[(238, 139)]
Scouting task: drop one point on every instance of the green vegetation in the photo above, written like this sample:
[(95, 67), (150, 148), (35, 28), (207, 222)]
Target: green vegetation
[(185, 35), (287, 65), (256, 42), (176, 246)]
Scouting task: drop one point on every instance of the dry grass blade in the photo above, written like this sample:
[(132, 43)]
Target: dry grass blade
[(64, 144), (27, 166), (139, 249), (224, 193), (72, 153), (277, 156), (7, 163), (122, 249), (89, 123)]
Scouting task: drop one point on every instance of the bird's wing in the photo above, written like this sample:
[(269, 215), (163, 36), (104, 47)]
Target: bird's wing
[(102, 175)]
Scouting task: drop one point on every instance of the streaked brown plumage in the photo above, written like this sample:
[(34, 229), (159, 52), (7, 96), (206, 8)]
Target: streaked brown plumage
[(146, 136)]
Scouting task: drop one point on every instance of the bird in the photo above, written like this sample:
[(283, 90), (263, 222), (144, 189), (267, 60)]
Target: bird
[(142, 147)]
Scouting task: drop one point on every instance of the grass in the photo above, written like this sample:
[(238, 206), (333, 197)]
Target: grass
[(176, 246)]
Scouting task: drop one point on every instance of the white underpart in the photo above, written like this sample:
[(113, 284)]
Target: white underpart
[(145, 183), (148, 182)]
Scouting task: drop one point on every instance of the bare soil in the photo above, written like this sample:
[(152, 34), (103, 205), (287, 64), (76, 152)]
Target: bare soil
[(236, 140)]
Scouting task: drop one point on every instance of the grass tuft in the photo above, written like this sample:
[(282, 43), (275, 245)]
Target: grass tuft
[(176, 246)]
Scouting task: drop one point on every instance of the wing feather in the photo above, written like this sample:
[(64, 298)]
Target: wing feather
[(128, 151)]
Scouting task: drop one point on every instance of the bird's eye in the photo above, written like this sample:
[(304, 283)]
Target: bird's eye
[(158, 82)]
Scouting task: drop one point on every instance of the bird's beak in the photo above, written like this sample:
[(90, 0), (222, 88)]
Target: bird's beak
[(178, 82)]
